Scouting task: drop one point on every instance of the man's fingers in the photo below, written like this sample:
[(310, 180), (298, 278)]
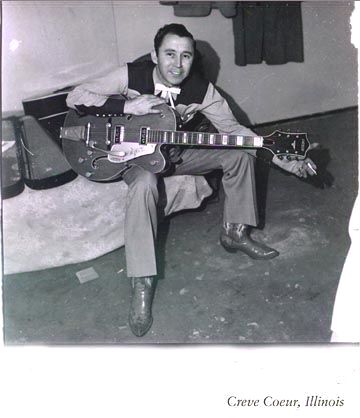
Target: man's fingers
[(310, 167), (310, 164)]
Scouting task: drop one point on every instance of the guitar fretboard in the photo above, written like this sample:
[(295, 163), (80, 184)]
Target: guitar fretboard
[(153, 136)]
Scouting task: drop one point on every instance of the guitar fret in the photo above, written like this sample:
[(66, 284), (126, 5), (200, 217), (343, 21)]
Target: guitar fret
[(211, 139), (189, 138), (224, 140), (248, 141)]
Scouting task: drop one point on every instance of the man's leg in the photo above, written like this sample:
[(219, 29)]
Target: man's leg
[(140, 236), (240, 208)]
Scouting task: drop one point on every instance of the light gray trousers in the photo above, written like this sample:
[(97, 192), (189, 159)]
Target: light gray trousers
[(141, 216)]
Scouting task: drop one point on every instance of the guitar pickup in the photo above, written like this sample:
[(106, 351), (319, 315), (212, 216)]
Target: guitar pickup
[(119, 132), (144, 135)]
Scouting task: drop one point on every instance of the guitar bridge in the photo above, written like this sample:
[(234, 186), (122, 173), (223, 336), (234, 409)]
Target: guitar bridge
[(73, 133)]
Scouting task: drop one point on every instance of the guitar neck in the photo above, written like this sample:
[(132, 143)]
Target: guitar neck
[(152, 136)]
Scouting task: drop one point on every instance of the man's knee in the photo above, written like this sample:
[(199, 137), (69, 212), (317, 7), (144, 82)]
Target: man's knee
[(238, 158), (141, 179)]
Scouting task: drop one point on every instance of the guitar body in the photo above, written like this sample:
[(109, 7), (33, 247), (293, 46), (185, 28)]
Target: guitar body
[(87, 158)]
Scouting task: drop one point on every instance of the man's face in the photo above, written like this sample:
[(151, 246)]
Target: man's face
[(174, 59)]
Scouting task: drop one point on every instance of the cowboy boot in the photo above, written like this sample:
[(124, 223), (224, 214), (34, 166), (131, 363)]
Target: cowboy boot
[(236, 237), (142, 294)]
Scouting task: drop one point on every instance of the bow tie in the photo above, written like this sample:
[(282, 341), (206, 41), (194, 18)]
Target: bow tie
[(167, 93)]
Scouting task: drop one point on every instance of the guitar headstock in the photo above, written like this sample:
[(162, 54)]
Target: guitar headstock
[(286, 144)]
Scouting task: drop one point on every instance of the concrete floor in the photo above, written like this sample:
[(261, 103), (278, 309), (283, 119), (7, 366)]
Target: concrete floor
[(204, 294)]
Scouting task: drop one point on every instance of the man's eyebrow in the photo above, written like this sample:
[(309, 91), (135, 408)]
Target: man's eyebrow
[(173, 50)]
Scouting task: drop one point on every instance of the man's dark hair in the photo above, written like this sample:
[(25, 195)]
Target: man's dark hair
[(174, 29)]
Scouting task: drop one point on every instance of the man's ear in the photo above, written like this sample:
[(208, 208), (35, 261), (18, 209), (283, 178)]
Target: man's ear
[(154, 56)]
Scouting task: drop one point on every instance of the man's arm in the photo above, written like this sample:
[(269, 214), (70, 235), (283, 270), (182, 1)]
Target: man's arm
[(95, 97), (217, 110)]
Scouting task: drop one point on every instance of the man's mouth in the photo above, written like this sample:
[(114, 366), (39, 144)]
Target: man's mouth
[(176, 73)]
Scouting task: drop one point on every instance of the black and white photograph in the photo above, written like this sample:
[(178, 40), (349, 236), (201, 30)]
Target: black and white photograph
[(182, 174)]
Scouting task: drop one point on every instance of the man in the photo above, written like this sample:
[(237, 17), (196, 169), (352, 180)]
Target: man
[(170, 78)]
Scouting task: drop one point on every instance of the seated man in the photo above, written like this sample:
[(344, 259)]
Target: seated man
[(170, 78)]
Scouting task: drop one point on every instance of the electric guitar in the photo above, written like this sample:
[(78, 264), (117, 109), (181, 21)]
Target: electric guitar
[(102, 148)]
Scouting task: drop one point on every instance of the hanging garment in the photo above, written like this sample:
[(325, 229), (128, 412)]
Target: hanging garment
[(201, 8), (268, 31)]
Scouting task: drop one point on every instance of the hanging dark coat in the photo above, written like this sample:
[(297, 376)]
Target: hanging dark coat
[(268, 31)]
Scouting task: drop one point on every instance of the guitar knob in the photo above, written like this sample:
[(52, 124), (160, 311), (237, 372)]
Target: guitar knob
[(121, 154)]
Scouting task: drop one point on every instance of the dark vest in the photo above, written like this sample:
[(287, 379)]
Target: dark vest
[(193, 88)]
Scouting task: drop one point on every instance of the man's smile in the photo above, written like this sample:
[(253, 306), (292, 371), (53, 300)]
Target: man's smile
[(176, 72)]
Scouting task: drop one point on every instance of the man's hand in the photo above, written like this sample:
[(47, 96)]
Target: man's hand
[(143, 105), (301, 168)]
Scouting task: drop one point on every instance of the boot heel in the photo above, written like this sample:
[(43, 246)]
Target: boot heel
[(226, 244)]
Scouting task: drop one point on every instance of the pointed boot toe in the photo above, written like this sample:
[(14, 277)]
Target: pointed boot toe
[(234, 237), (142, 294)]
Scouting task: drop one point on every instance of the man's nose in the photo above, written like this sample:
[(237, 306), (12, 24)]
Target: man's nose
[(178, 61)]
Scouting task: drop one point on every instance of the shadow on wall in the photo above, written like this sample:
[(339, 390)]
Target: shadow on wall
[(209, 65)]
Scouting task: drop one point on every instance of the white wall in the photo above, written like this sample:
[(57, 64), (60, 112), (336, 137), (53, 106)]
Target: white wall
[(62, 43), (59, 43)]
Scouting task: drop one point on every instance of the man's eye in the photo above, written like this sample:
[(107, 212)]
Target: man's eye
[(169, 54), (187, 56)]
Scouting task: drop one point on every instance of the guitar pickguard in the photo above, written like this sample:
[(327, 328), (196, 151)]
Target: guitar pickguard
[(126, 151)]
